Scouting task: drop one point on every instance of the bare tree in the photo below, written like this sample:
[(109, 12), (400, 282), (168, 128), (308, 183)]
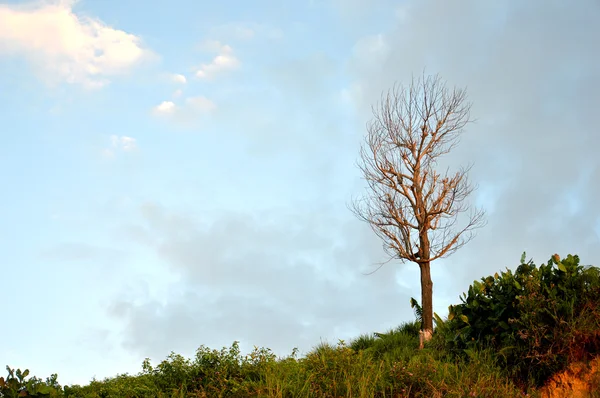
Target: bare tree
[(411, 206)]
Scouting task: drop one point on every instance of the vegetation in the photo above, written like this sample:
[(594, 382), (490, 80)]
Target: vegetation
[(537, 319), (510, 333)]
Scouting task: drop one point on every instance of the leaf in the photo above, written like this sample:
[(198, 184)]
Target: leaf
[(25, 373), (417, 308), (478, 286), (44, 389), (439, 322), (562, 267), (413, 302), (464, 319), (523, 258), (517, 285)]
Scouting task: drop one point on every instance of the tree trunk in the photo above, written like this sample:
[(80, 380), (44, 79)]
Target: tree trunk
[(426, 301)]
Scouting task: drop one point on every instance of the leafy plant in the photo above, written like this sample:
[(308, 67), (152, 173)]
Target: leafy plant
[(532, 316), (15, 385), (414, 304)]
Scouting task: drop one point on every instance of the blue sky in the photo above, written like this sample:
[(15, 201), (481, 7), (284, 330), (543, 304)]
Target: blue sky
[(177, 173)]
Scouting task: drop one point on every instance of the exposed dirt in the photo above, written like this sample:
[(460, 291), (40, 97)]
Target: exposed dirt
[(580, 380)]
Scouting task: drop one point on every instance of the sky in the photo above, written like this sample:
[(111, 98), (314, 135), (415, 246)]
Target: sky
[(178, 174)]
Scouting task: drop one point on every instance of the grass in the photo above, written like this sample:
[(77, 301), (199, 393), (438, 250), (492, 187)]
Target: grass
[(378, 365)]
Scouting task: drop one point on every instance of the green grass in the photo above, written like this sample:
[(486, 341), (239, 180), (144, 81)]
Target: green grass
[(390, 365)]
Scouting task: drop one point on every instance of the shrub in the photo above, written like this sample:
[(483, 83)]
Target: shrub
[(15, 385), (362, 342), (537, 319), (397, 344)]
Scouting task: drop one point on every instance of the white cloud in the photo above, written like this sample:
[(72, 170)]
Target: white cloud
[(225, 61), (177, 93), (66, 47), (187, 113), (122, 143), (198, 103), (246, 31), (243, 32), (125, 143), (107, 153), (178, 78), (165, 107), (201, 103), (213, 46)]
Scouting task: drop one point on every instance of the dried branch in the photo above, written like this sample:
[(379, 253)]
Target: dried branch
[(408, 202)]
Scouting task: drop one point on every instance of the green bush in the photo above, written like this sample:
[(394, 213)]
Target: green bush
[(399, 342), (537, 319), (362, 342), (122, 385), (15, 385), (213, 372)]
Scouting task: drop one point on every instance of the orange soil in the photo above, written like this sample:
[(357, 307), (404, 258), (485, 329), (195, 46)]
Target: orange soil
[(580, 380)]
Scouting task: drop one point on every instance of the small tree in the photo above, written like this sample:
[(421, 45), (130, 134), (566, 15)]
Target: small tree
[(409, 204)]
